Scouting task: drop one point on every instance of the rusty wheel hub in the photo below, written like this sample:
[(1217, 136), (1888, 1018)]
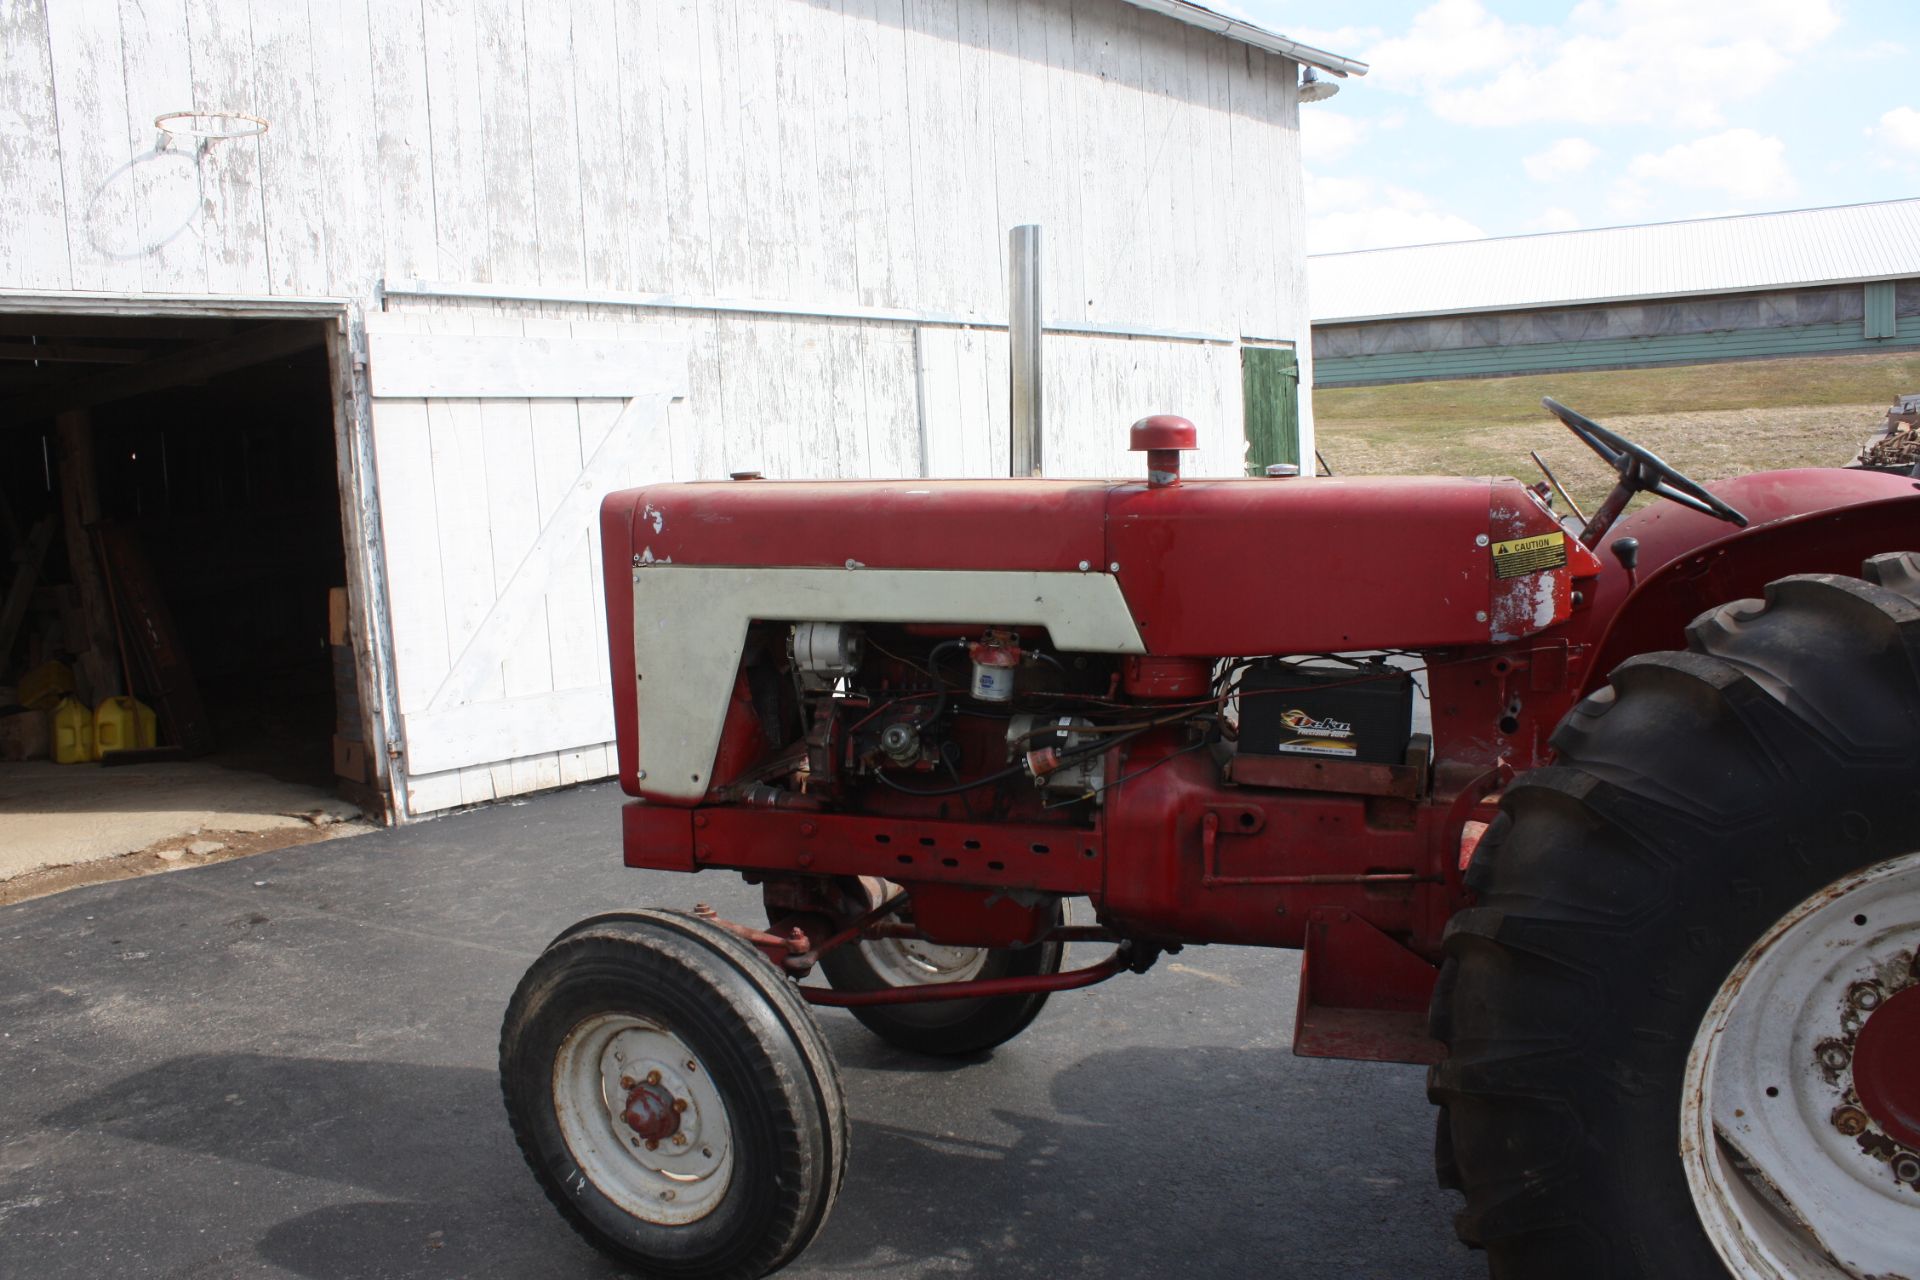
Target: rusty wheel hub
[(652, 1112), (1886, 1066)]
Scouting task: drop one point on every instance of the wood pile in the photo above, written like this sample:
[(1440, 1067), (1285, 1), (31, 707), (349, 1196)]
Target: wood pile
[(1898, 444)]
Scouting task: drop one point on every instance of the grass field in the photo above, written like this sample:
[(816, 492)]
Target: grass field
[(1711, 421)]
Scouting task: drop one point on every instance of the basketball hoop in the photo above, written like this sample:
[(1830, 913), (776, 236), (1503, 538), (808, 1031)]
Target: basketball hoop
[(208, 127)]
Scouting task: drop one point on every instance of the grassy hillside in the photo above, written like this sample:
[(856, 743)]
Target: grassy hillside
[(1711, 421)]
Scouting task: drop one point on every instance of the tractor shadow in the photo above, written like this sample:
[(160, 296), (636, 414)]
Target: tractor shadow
[(1203, 1162)]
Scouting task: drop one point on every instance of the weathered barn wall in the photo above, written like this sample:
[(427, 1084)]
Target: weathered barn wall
[(813, 194)]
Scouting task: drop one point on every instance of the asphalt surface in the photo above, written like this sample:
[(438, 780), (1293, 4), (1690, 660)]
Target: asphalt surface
[(284, 1066)]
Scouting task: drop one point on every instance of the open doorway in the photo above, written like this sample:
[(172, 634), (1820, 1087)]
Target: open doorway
[(174, 590)]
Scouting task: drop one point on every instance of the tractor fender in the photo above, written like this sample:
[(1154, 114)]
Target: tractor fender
[(1812, 520)]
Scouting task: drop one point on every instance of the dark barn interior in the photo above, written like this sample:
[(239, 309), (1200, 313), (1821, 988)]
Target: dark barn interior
[(170, 512)]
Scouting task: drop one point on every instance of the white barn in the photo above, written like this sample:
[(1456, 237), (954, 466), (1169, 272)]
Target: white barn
[(505, 256)]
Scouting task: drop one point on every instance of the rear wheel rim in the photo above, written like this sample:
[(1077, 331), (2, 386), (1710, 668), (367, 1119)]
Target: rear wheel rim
[(670, 1173), (1795, 1176)]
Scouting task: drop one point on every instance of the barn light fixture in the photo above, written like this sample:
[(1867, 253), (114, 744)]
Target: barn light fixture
[(1313, 88)]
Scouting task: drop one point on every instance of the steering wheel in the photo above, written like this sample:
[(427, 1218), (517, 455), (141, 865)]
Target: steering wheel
[(1641, 470)]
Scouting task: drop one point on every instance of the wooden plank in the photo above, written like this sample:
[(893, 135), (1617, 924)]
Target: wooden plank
[(410, 538), (34, 250), (892, 398), (498, 730), (166, 238), (403, 141), (768, 207), (872, 113), (617, 185), (234, 213), (347, 146), (95, 161), (934, 141), (942, 427), (686, 194), (978, 253), (292, 177), (577, 646), (507, 143), (466, 557), (800, 61), (724, 141), (409, 365), (1047, 38), (461, 201), (514, 525), (550, 40)]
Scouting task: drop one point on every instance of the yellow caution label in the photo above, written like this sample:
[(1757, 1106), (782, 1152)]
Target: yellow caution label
[(1529, 555)]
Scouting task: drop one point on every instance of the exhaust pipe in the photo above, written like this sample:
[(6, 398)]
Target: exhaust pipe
[(1023, 338)]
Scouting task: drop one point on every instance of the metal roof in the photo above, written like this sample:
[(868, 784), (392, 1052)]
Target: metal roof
[(1797, 248), (1206, 19)]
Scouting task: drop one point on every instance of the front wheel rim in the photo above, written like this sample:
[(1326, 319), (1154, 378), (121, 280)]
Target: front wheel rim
[(642, 1118), (1800, 1166)]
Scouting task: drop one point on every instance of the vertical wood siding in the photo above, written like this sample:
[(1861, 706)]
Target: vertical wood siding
[(840, 152), (821, 153)]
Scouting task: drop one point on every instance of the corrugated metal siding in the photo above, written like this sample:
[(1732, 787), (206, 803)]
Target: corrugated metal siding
[(1605, 353), (1712, 255)]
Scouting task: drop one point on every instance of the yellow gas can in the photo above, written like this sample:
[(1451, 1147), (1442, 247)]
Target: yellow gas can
[(115, 725), (72, 732), (146, 728)]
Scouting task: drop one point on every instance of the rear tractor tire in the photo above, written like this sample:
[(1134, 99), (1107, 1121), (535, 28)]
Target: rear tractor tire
[(1683, 1017), (941, 1028), (674, 1097)]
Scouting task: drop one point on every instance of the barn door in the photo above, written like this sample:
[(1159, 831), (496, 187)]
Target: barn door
[(494, 441)]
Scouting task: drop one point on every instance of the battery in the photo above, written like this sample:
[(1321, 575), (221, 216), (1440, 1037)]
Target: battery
[(1362, 712)]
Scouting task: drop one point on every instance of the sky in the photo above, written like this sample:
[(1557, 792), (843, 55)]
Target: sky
[(1499, 117)]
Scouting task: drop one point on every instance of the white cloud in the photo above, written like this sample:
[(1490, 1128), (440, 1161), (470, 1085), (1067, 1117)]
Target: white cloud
[(1739, 162), (1360, 213), (1325, 135), (1899, 129), (1555, 219), (1563, 159), (1611, 62)]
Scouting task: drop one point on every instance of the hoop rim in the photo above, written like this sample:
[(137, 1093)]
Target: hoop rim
[(168, 122)]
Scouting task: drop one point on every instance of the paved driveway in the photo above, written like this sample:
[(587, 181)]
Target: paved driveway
[(283, 1066)]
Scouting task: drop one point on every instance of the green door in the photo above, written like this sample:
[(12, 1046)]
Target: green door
[(1270, 388)]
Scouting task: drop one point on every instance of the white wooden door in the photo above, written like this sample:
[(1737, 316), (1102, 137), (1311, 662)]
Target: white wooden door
[(495, 439)]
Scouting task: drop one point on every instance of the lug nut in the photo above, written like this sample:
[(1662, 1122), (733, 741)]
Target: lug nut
[(1834, 1055), (1864, 995), (1851, 1121), (679, 1139), (653, 1144), (626, 1082), (679, 1104), (1906, 1168), (653, 1077)]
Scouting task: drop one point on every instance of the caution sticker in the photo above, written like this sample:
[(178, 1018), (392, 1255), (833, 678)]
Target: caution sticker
[(1529, 555)]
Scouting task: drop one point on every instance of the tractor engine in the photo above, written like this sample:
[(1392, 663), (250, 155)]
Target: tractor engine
[(1191, 703)]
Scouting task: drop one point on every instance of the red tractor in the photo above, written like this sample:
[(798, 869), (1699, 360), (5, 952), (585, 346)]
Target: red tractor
[(1642, 885)]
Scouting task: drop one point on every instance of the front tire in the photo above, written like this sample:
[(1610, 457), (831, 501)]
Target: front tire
[(1697, 855), (674, 1097)]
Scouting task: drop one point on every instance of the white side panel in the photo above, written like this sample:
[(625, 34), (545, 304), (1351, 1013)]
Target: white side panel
[(690, 626)]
